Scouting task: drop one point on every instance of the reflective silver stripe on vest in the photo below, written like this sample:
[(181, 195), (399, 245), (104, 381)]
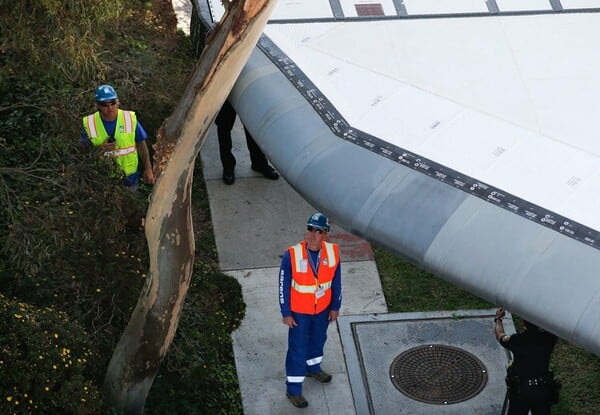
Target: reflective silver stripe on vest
[(330, 255), (297, 255), (91, 125), (120, 152), (309, 289), (128, 121), (304, 289)]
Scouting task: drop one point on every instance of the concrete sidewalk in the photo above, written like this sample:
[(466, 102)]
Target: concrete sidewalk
[(254, 221)]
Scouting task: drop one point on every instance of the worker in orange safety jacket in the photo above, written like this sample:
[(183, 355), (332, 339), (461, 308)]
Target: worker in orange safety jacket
[(310, 297)]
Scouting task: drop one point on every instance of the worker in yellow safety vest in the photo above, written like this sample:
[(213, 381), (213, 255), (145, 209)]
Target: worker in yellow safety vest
[(120, 135)]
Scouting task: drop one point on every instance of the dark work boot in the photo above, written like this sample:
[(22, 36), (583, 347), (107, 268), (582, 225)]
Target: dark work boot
[(267, 171), (297, 400), (321, 376), (228, 176)]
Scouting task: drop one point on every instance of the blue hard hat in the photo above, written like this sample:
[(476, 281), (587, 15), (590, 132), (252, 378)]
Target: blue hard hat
[(105, 93), (319, 221)]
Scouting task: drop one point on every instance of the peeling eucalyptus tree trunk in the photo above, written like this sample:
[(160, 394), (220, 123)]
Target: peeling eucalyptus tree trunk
[(169, 230)]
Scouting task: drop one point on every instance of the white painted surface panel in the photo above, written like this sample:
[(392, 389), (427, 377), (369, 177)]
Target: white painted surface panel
[(554, 46), (471, 143), (584, 202), (216, 9), (465, 60), (548, 174), (560, 67), (309, 9), (445, 6), (521, 5), (580, 4), (293, 39), (357, 91), (409, 117), (569, 111), (508, 100)]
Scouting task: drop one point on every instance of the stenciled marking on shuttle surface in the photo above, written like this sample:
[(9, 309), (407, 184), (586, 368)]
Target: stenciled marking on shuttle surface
[(340, 127), (376, 100), (498, 151), (333, 71)]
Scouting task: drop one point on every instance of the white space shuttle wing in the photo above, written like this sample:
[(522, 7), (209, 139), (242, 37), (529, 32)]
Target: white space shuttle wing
[(461, 135)]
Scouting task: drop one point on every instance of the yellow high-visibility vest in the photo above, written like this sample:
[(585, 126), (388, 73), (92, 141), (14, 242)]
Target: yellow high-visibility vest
[(125, 152)]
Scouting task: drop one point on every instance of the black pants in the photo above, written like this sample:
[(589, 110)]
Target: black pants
[(538, 399), (225, 121)]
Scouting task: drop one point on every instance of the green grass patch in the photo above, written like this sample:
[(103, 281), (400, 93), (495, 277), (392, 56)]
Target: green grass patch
[(409, 288)]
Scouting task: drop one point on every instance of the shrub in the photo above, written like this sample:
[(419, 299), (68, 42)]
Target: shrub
[(198, 374), (44, 361)]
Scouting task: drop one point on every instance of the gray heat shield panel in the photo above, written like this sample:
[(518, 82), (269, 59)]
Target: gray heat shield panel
[(504, 258)]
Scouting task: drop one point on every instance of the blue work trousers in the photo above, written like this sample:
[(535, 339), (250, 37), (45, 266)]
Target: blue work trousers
[(305, 348)]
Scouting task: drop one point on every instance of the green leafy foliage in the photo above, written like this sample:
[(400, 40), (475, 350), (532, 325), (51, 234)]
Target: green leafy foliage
[(55, 40), (74, 248), (44, 362)]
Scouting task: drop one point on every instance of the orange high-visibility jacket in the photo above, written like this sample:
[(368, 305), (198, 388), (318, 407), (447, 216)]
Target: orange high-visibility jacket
[(310, 293)]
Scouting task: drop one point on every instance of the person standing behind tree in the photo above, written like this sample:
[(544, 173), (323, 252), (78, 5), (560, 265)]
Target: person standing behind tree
[(310, 297), (119, 133), (530, 383), (225, 121)]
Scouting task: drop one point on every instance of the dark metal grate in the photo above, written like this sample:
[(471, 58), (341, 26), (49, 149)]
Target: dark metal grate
[(375, 9), (438, 374)]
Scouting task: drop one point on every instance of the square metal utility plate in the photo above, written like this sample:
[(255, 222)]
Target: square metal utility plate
[(456, 365)]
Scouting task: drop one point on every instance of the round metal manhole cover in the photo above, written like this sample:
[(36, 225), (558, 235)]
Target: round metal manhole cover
[(438, 374)]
